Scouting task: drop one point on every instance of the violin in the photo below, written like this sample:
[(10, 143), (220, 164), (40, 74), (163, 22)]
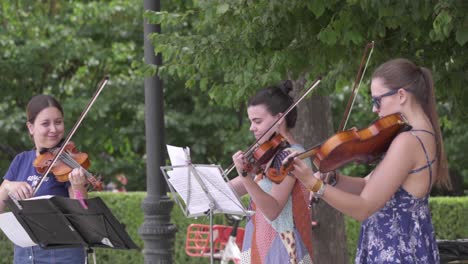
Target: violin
[(263, 153), (69, 159), (363, 146)]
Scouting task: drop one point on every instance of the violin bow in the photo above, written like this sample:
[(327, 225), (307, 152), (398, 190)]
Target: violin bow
[(72, 131), (357, 83), (289, 109)]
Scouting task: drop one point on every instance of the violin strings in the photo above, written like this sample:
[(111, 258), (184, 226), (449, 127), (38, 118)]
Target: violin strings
[(68, 159), (65, 157)]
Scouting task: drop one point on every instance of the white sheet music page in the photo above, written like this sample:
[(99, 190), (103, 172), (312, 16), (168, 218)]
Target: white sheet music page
[(15, 231), (225, 198), (185, 184), (178, 155), (190, 190)]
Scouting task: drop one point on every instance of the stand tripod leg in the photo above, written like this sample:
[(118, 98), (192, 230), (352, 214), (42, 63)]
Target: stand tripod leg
[(92, 252), (211, 235)]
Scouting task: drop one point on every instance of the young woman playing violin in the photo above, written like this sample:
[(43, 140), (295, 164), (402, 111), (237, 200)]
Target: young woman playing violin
[(46, 128), (278, 232), (392, 201)]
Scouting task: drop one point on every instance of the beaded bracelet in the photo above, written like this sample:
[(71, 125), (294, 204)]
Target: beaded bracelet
[(319, 194), (318, 184)]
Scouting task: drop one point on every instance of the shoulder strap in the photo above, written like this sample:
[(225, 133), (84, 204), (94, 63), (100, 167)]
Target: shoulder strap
[(428, 162)]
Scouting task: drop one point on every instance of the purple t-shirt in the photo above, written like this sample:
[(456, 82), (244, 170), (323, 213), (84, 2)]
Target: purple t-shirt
[(22, 169)]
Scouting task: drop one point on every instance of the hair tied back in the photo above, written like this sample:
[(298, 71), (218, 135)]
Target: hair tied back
[(286, 86)]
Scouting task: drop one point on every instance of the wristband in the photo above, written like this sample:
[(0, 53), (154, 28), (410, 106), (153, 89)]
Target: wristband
[(332, 178)]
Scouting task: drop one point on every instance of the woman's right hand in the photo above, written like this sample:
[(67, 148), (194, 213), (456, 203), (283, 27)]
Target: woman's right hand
[(19, 190), (238, 159)]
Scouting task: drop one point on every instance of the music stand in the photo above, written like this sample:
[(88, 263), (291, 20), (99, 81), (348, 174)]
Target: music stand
[(60, 222), (200, 189)]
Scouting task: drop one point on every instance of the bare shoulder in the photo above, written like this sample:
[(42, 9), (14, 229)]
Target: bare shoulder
[(403, 146)]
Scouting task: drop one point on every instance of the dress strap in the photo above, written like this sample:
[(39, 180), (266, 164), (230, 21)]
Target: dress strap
[(428, 162), (423, 130)]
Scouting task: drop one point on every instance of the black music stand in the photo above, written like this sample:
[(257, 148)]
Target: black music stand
[(60, 222)]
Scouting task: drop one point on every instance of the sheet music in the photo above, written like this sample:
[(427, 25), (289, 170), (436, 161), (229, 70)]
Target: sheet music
[(178, 156), (194, 197), (14, 231), (185, 183), (213, 179)]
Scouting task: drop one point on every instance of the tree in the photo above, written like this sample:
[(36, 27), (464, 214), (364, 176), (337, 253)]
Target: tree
[(65, 48), (228, 49)]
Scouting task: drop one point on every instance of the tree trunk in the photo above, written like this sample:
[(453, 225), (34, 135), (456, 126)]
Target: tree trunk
[(314, 125)]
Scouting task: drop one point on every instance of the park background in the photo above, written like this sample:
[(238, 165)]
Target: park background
[(215, 55)]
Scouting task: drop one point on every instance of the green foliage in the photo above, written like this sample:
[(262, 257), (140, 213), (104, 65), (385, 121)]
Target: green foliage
[(229, 43), (65, 48), (222, 51), (6, 249), (353, 228), (228, 49), (449, 216)]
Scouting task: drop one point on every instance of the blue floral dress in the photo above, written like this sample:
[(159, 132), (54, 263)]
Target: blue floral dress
[(402, 231)]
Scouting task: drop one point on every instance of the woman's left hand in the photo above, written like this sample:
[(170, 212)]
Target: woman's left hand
[(77, 178), (301, 171)]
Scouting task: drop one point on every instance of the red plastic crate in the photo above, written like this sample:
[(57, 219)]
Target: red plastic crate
[(197, 243)]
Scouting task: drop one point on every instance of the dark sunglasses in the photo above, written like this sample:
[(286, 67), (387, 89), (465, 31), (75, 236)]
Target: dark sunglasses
[(376, 99)]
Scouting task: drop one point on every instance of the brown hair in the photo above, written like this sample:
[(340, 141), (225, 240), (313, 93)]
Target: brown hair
[(399, 73), (39, 103), (277, 100)]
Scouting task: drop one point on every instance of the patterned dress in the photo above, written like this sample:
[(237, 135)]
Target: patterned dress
[(288, 238), (402, 231)]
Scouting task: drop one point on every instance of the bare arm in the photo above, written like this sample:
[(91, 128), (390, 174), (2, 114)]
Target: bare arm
[(385, 181), (270, 204), (349, 184), (19, 190), (237, 185)]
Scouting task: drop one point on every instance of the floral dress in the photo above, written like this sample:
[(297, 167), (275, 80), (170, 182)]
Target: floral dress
[(402, 231)]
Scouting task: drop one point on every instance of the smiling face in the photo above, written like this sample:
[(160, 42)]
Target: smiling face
[(260, 121), (47, 128)]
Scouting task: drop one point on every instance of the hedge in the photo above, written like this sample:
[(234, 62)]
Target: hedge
[(449, 215)]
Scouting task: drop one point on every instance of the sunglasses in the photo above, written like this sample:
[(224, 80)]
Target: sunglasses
[(377, 99)]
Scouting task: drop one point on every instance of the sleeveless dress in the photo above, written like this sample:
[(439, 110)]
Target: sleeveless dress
[(402, 231), (288, 238)]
